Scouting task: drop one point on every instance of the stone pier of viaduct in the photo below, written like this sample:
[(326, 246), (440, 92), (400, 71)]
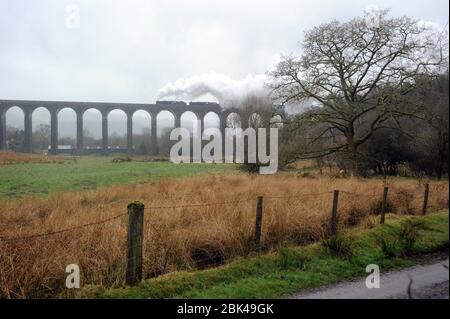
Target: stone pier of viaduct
[(200, 109)]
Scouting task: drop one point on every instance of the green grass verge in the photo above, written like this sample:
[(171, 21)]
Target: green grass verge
[(20, 180), (290, 270)]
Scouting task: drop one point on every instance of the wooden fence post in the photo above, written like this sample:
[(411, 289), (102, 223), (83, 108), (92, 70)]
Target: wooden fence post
[(333, 228), (258, 224), (425, 199), (383, 205), (134, 243)]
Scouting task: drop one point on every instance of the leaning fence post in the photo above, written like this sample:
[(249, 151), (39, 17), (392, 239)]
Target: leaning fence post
[(383, 205), (259, 212), (425, 199), (134, 243), (333, 228)]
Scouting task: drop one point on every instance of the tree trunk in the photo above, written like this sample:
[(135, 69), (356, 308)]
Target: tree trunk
[(354, 160), (353, 148)]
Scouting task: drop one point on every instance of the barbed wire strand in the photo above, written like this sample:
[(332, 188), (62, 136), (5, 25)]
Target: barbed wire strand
[(200, 205), (361, 194), (56, 232), (298, 195)]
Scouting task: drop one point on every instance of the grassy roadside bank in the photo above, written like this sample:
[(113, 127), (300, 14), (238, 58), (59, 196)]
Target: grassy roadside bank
[(292, 269)]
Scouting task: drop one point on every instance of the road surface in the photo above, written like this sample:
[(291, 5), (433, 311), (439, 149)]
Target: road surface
[(427, 281)]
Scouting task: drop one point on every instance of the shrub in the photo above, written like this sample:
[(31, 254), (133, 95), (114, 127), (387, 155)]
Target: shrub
[(355, 216), (408, 236), (290, 258), (377, 207), (389, 246), (207, 256), (404, 200), (339, 245)]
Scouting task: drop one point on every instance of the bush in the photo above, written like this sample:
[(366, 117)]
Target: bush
[(404, 200), (408, 236), (355, 216), (206, 256), (377, 206), (404, 241), (290, 258), (339, 245), (389, 246)]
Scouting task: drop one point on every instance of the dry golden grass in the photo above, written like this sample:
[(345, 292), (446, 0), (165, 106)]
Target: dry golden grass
[(175, 238), (7, 158), (302, 164)]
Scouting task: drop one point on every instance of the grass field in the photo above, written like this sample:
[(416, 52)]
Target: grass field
[(41, 179), (184, 237), (37, 198)]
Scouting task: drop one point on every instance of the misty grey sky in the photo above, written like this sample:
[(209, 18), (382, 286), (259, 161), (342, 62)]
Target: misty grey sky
[(125, 51)]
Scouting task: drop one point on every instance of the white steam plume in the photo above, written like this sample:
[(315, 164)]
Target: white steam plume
[(220, 86)]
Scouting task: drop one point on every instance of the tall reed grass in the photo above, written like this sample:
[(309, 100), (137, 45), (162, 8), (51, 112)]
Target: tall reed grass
[(181, 238)]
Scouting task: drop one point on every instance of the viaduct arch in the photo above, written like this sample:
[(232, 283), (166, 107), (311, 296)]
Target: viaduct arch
[(200, 109)]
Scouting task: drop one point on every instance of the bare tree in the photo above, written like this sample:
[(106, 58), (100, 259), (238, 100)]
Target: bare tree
[(358, 76)]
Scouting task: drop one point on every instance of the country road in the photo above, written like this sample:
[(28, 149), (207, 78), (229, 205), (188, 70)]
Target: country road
[(427, 281)]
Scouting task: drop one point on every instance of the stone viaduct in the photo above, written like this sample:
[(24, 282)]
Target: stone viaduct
[(200, 109)]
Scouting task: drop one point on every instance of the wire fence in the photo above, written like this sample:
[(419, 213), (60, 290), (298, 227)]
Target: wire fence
[(298, 195), (56, 232), (202, 257), (230, 202), (361, 194)]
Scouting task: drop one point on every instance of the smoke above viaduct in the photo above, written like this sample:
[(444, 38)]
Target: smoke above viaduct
[(216, 86)]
